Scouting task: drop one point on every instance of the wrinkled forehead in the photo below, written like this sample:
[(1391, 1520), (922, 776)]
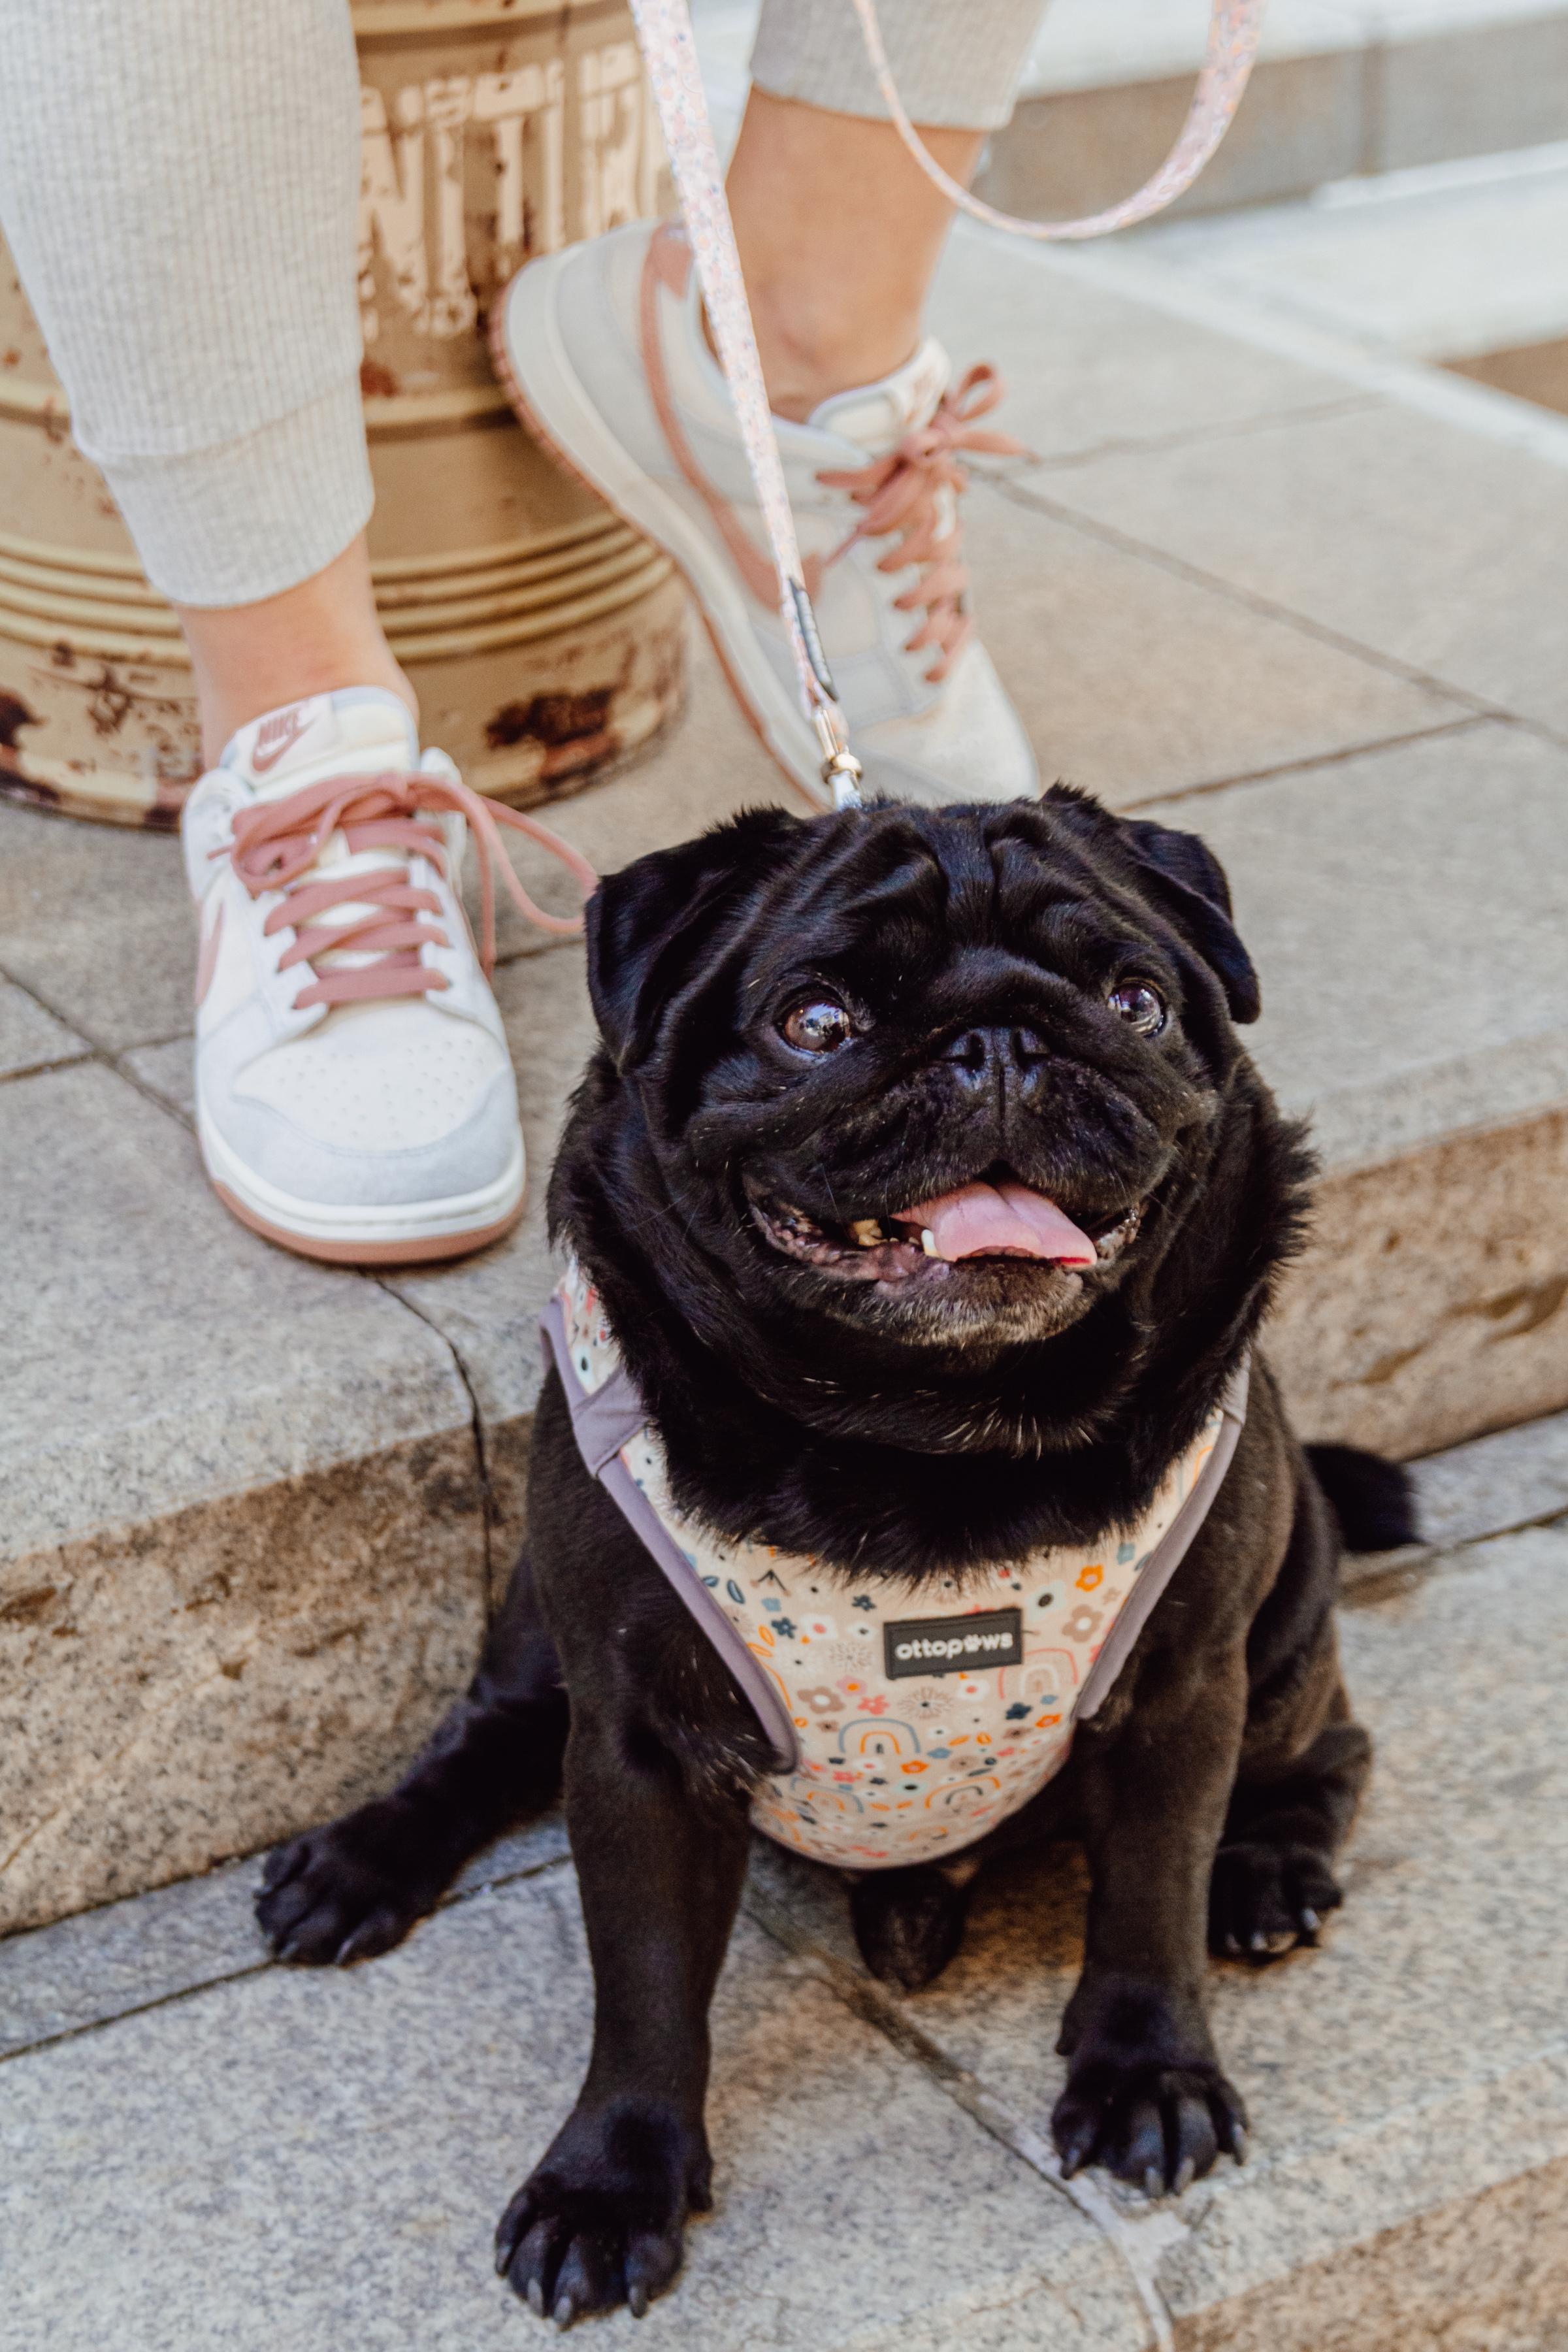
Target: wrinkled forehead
[(904, 889)]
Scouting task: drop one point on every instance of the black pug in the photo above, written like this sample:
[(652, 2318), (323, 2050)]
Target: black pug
[(808, 1026)]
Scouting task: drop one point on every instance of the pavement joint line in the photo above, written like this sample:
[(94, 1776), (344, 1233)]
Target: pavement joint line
[(490, 1516), (1376, 1576), (55, 1062), (1269, 608), (450, 1901), (1155, 445), (1458, 401), (1139, 2245), (1318, 759)]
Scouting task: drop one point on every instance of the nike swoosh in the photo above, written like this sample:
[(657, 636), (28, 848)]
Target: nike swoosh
[(261, 761)]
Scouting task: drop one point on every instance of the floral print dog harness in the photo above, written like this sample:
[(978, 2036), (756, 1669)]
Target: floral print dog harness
[(906, 1723)]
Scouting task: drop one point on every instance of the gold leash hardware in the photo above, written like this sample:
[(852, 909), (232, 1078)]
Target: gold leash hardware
[(841, 771)]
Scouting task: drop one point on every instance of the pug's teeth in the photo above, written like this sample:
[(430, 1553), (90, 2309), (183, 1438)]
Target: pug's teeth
[(928, 1241), (867, 1233)]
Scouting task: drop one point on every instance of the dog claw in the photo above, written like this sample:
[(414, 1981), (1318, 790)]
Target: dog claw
[(1233, 1945), (1260, 1940), (1310, 1920), (1154, 2181), (1239, 2142), (1185, 2175), (565, 2311), (637, 2300), (536, 2298)]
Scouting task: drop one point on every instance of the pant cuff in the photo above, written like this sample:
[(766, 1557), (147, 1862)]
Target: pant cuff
[(250, 518), (954, 62)]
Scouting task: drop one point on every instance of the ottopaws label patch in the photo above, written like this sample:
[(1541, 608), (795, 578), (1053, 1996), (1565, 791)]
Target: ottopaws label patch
[(954, 1645)]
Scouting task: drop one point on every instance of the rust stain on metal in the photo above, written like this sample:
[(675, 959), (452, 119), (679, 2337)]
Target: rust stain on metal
[(559, 721), (14, 716), (110, 705)]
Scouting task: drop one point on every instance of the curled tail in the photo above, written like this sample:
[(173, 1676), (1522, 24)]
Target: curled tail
[(1373, 1500)]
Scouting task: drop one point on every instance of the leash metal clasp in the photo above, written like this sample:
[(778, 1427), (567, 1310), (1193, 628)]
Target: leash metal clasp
[(841, 771)]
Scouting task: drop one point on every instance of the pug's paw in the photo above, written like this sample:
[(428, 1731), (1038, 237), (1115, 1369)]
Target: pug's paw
[(353, 1889), (600, 2221), (1160, 2126), (1267, 1896)]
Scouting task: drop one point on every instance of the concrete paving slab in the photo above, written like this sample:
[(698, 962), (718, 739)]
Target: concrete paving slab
[(1496, 1483), (1425, 1030), (296, 2161), (30, 1037), (282, 2157), (1134, 682), (1408, 2083), (1088, 369), (97, 922), (126, 1957), (243, 1546), (1396, 531), (1436, 265)]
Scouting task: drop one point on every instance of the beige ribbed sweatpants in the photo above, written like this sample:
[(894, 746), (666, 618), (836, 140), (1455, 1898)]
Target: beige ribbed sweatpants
[(179, 184)]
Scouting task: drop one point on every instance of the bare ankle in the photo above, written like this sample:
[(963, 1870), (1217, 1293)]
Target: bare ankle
[(803, 367), (312, 639)]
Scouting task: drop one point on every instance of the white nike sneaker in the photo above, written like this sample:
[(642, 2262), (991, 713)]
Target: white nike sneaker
[(602, 351), (354, 1094)]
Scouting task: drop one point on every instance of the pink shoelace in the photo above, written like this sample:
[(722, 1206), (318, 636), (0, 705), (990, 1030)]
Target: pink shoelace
[(278, 841), (901, 492)]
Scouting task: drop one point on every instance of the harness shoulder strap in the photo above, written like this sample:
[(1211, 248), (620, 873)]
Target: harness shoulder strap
[(604, 1422), (1173, 1547)]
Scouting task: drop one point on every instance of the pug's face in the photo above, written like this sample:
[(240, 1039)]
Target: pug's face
[(935, 1074)]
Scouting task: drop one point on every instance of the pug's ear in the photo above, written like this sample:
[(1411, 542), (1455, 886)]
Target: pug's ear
[(647, 924), (1187, 882)]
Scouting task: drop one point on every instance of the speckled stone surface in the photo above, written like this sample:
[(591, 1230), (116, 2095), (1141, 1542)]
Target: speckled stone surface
[(1408, 2083), (30, 1036), (296, 2161), (281, 2159), (242, 1547), (1408, 911)]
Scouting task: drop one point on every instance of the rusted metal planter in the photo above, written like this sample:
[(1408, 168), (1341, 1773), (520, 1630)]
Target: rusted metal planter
[(544, 638)]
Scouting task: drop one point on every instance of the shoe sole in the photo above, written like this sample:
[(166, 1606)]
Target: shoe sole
[(408, 1233), (557, 411)]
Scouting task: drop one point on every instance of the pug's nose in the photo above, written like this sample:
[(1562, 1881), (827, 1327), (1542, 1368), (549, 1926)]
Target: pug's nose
[(983, 1055)]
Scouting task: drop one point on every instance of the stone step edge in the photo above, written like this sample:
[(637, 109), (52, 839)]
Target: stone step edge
[(1312, 116)]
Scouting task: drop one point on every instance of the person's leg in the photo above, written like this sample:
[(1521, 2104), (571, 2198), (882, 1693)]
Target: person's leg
[(179, 181), (840, 229), (325, 633), (179, 184), (839, 232)]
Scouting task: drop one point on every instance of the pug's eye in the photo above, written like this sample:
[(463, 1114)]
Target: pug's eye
[(820, 1025), (1141, 1007)]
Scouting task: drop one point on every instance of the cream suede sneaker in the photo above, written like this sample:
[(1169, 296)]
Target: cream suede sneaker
[(602, 351), (354, 1094)]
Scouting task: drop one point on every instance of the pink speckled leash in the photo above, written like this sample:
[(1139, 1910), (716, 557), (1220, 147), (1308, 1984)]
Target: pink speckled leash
[(670, 53)]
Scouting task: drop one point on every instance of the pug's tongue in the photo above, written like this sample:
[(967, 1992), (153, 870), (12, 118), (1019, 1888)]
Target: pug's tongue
[(979, 1219)]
